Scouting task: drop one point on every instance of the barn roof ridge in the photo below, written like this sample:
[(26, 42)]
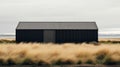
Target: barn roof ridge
[(57, 25), (56, 21)]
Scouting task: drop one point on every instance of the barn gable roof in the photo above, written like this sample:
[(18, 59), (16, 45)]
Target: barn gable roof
[(57, 25)]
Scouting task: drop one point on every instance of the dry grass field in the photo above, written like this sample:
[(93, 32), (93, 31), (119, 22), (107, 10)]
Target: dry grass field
[(56, 54)]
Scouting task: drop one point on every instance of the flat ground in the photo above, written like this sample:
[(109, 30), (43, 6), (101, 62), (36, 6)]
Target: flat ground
[(100, 39), (106, 52), (109, 39)]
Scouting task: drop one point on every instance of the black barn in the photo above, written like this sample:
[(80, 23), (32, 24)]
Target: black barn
[(57, 32)]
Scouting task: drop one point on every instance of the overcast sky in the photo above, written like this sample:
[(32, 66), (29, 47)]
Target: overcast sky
[(106, 13)]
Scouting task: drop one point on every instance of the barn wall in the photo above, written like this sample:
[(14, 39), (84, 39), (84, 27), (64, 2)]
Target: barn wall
[(29, 35), (58, 36), (76, 36)]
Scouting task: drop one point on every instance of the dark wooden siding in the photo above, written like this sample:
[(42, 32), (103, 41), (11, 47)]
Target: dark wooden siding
[(61, 36), (29, 35), (76, 36)]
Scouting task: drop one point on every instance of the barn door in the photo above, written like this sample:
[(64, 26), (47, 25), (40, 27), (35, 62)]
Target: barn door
[(49, 36)]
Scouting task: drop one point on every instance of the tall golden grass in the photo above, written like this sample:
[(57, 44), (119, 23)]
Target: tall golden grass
[(68, 53)]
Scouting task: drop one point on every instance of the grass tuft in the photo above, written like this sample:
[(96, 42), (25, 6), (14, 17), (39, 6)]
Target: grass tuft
[(58, 54)]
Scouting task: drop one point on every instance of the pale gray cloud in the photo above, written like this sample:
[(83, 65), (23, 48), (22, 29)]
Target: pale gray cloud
[(105, 12)]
